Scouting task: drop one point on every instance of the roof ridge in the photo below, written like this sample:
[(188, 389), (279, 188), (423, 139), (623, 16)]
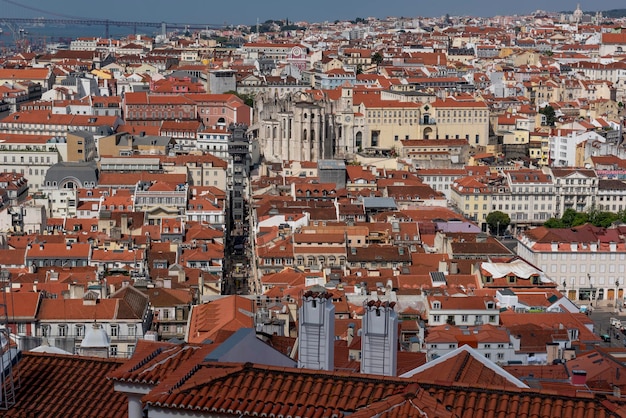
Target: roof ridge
[(177, 352), (146, 359)]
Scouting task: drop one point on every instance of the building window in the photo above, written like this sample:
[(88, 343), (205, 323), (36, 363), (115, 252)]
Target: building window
[(62, 330), (45, 330), (131, 330), (131, 350), (80, 330), (113, 350), (436, 318), (114, 331), (21, 329)]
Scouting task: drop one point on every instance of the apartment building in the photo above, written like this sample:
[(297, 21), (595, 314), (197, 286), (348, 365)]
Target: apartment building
[(472, 196), (564, 146), (125, 317), (491, 341), (388, 122), (611, 195), (459, 119), (144, 109), (575, 188), (159, 199), (435, 153), (468, 311), (43, 122), (441, 179), (529, 197), (214, 140), (587, 262)]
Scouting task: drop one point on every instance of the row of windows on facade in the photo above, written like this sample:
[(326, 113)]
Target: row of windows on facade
[(162, 200), (31, 160), (78, 330), (536, 206), (573, 269), (153, 115), (499, 356), (492, 319), (70, 185), (548, 193)]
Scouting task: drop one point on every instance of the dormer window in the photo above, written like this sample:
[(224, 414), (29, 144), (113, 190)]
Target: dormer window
[(491, 305), (436, 305)]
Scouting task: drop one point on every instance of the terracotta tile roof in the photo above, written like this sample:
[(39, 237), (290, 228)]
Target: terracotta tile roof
[(12, 257), (493, 401), (24, 73), (247, 389), (74, 309), (132, 303), (53, 385), (162, 297), (229, 313), (22, 304), (58, 250), (408, 405), (153, 362), (178, 378)]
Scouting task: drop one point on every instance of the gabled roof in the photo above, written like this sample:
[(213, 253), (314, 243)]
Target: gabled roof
[(226, 313), (250, 389), (468, 366)]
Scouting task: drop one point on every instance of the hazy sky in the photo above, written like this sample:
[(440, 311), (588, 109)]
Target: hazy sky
[(247, 11)]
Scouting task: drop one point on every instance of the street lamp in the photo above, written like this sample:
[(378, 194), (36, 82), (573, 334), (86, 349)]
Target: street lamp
[(591, 296)]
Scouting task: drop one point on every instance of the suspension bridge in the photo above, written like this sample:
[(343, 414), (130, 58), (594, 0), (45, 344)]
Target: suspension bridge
[(63, 19), (164, 26)]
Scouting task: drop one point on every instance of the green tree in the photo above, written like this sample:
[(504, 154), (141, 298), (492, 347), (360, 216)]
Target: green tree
[(572, 218), (377, 58), (550, 114), (554, 223), (498, 221), (602, 219)]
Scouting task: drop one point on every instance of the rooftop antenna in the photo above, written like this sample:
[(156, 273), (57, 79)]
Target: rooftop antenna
[(9, 353)]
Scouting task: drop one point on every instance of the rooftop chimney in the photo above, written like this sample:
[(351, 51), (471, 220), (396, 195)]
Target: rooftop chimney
[(379, 341), (579, 377), (317, 330)]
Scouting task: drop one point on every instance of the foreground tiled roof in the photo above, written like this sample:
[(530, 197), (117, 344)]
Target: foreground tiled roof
[(54, 385), (253, 390), (247, 389), (491, 402)]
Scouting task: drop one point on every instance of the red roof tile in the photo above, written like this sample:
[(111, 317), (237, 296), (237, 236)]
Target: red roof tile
[(53, 385)]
